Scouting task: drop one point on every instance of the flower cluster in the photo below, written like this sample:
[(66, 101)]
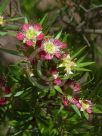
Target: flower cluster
[(51, 49), (3, 91), (82, 104)]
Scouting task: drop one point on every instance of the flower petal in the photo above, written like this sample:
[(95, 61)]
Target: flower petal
[(29, 42), (57, 81), (37, 27), (20, 36), (40, 37), (58, 55), (25, 27)]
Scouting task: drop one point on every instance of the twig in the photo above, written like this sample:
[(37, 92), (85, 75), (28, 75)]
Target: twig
[(85, 38), (97, 31)]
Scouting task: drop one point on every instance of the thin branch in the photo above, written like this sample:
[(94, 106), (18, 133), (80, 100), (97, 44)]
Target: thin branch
[(97, 31), (86, 40)]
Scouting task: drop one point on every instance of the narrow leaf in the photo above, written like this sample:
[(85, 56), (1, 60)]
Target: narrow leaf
[(43, 20), (76, 110), (81, 69), (84, 64), (18, 93), (3, 33), (3, 5), (65, 38), (81, 59), (58, 89), (25, 20), (14, 19), (13, 52), (80, 51), (58, 35)]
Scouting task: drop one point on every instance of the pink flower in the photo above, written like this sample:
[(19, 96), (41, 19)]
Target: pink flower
[(37, 27), (40, 37), (51, 48), (89, 110), (20, 36), (58, 55), (78, 105), (29, 43), (25, 27), (59, 43), (74, 101), (57, 81), (45, 56), (30, 34)]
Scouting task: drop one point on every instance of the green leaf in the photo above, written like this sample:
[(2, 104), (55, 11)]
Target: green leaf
[(86, 114), (25, 20), (18, 93), (3, 5), (81, 69), (81, 59), (8, 95), (65, 38), (14, 19), (77, 53), (58, 35), (76, 110), (13, 52), (3, 33), (61, 108), (52, 92), (84, 64), (43, 19), (58, 89), (97, 109)]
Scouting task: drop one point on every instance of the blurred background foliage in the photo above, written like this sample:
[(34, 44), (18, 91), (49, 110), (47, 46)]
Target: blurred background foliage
[(81, 21)]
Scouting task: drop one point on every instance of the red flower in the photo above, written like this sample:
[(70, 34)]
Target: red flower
[(20, 36), (30, 34), (51, 48), (29, 43)]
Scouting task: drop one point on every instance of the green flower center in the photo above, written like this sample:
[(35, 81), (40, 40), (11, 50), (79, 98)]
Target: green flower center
[(30, 33), (50, 48)]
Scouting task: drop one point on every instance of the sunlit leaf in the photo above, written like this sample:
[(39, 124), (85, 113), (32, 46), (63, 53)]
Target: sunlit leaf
[(58, 35), (76, 110), (58, 89)]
